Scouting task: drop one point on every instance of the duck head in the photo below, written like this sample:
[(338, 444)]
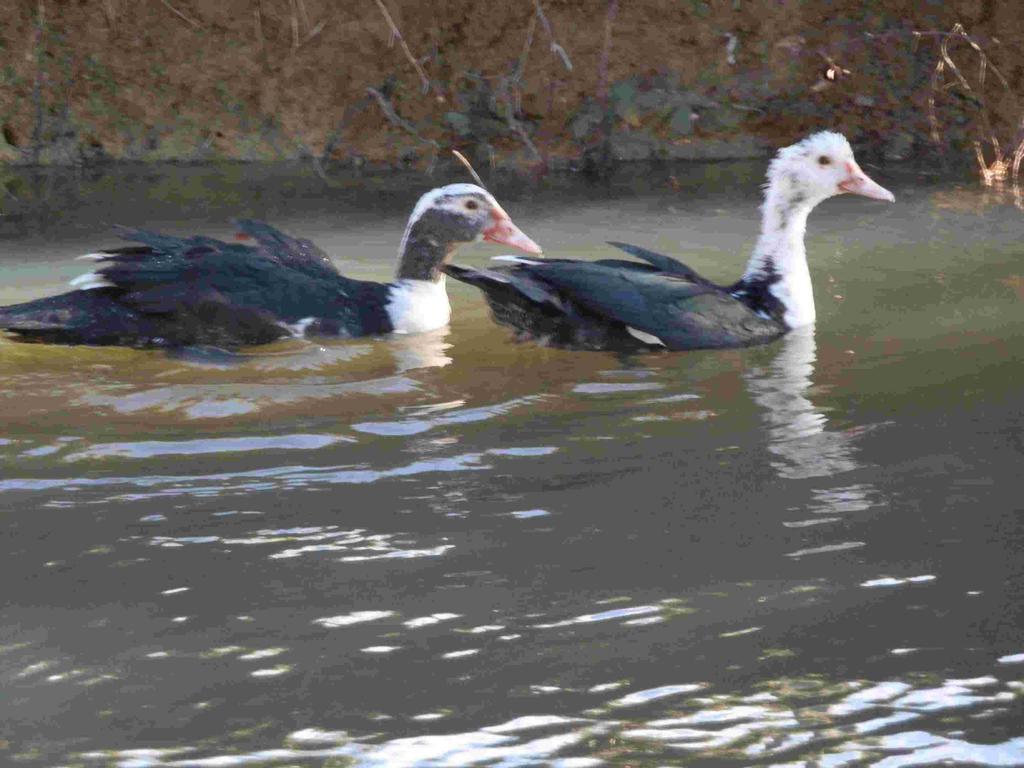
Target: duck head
[(819, 167), (447, 217), (801, 176)]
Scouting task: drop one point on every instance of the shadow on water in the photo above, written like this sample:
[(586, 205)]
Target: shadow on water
[(460, 550)]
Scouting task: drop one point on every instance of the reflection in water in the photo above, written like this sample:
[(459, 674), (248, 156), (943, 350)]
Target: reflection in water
[(804, 719), (326, 554), (802, 445), (222, 401), (797, 428), (421, 350), (214, 384)]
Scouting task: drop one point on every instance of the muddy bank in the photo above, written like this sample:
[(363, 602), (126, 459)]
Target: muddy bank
[(558, 83)]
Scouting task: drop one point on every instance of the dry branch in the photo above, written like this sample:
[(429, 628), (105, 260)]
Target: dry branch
[(606, 50), (304, 15), (110, 12), (469, 167), (521, 65), (395, 119), (1000, 166), (294, 24), (504, 93), (257, 18), (397, 35), (181, 15), (554, 46)]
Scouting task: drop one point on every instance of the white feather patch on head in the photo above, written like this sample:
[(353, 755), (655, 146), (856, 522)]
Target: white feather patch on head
[(98, 256), (822, 141), (433, 198), (91, 281), (828, 143)]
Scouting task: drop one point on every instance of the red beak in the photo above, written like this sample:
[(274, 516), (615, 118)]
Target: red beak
[(504, 232), (858, 183)]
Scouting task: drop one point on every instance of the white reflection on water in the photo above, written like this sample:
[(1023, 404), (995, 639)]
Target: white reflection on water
[(797, 427), (922, 748), (272, 477), (356, 545), (415, 426), (421, 350), (356, 617), (803, 445), (617, 613), (809, 721), (426, 621), (614, 388), (145, 449), (653, 694), (410, 352), (889, 581), (217, 401)]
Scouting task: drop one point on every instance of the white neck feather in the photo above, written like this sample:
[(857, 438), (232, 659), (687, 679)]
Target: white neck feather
[(779, 257), (418, 306)]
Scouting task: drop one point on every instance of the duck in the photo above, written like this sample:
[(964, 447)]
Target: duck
[(660, 302), (167, 291)]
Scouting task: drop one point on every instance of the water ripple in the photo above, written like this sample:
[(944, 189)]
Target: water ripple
[(415, 426), (218, 401), (151, 448), (788, 717), (357, 545), (272, 477)]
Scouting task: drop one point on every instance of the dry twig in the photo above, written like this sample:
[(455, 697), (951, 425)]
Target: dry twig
[(554, 46), (1000, 166), (303, 14), (110, 11), (257, 18), (521, 65), (314, 32), (396, 35), (606, 50), (395, 119), (37, 88), (181, 15), (469, 167), (295, 24), (504, 93)]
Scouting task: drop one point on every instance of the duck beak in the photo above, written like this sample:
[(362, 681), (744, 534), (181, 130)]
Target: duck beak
[(858, 183), (504, 232)]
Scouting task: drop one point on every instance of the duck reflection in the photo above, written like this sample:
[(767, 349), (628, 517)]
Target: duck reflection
[(421, 350), (218, 384), (800, 443), (799, 440)]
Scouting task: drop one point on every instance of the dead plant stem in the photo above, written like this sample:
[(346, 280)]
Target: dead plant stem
[(181, 15), (554, 45), (397, 35)]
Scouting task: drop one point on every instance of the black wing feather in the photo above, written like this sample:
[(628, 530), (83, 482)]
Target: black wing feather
[(667, 264), (179, 291)]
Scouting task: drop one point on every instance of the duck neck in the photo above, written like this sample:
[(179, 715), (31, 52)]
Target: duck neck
[(422, 256), (417, 299), (777, 269)]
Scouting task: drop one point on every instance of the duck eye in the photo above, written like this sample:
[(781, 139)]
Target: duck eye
[(824, 160), (472, 205)]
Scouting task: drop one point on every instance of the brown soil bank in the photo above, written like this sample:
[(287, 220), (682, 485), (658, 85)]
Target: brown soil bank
[(522, 82)]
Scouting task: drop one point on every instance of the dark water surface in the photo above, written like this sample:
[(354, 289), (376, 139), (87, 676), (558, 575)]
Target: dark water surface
[(459, 550)]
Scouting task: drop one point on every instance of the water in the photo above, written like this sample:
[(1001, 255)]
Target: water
[(461, 550)]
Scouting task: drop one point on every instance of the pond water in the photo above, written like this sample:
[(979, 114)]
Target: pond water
[(459, 550)]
